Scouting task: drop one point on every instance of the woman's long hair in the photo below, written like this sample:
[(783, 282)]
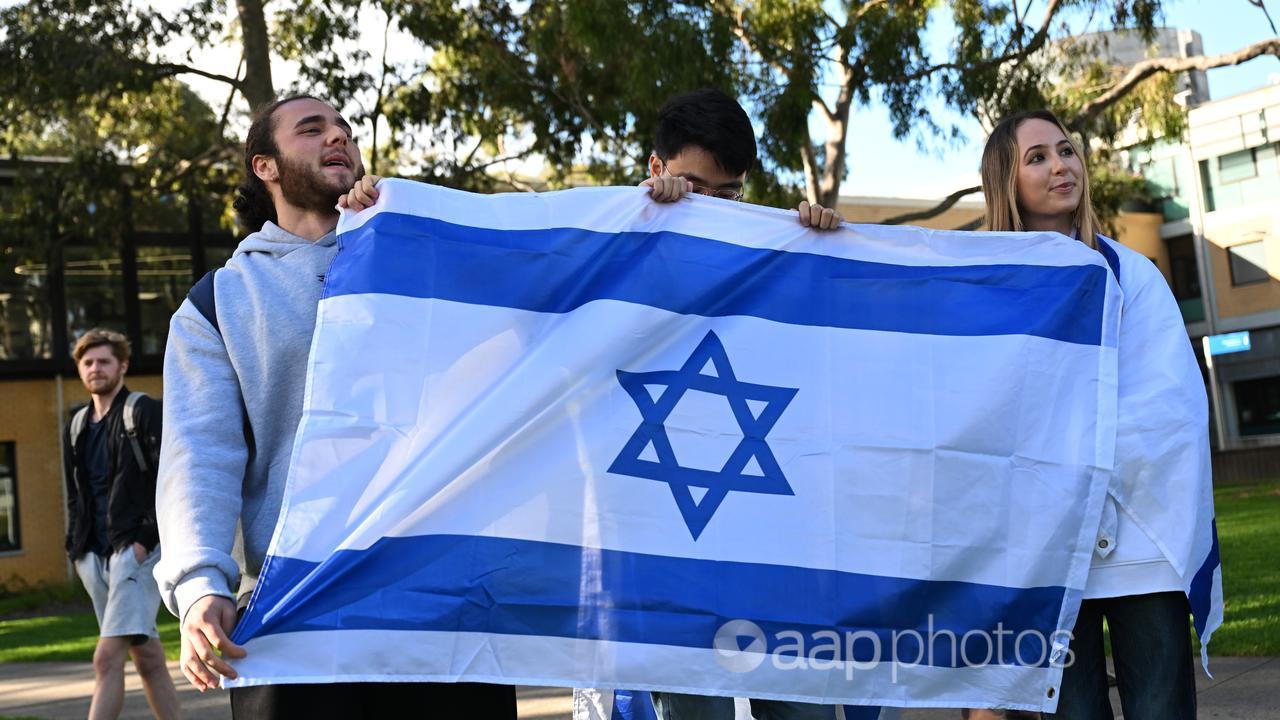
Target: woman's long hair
[(1000, 161)]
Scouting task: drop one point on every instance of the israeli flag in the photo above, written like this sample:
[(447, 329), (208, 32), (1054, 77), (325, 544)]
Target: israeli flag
[(584, 439)]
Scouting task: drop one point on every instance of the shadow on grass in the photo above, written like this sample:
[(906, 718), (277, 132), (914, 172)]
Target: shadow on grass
[(67, 637)]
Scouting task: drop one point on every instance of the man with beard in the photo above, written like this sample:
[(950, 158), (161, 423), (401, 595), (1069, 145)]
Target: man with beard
[(111, 450), (235, 370)]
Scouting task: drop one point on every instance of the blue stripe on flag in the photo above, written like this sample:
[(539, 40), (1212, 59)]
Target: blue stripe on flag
[(558, 270), (1201, 595), (1109, 253), (460, 583)]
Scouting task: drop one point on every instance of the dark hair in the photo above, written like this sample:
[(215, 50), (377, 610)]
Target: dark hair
[(711, 120), (253, 203)]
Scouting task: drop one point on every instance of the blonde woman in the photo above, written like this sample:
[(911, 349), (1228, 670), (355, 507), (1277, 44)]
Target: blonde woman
[(1034, 179)]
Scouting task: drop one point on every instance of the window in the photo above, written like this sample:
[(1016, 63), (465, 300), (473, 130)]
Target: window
[(131, 281), (215, 256), (26, 320), (1237, 166), (164, 276), (1185, 278), (1248, 263), (1258, 406), (94, 291), (10, 539), (1210, 187)]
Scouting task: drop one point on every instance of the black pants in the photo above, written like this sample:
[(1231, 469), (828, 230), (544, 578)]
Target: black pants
[(375, 701), (1151, 648)]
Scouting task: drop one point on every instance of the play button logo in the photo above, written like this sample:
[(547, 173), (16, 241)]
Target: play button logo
[(739, 646)]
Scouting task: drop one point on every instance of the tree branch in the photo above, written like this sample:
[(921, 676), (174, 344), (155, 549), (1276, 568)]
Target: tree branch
[(466, 161), (1147, 68), (220, 151), (1093, 108), (214, 152), (1258, 4), (171, 69), (497, 161), (231, 96), (864, 10), (1037, 41), (934, 211), (821, 106), (734, 11)]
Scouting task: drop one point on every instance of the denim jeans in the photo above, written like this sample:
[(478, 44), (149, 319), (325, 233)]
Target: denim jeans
[(1151, 649), (676, 706)]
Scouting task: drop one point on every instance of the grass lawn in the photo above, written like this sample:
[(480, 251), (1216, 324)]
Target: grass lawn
[(1249, 533), (1248, 529), (56, 622), (69, 637)]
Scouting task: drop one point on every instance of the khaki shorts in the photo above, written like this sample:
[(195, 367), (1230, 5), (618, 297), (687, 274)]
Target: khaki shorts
[(124, 593)]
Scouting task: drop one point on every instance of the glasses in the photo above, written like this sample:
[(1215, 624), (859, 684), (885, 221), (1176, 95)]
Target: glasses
[(722, 193)]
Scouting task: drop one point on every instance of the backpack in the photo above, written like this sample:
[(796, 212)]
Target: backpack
[(202, 297), (130, 426)]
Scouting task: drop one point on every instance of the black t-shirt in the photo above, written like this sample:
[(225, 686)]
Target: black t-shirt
[(95, 468)]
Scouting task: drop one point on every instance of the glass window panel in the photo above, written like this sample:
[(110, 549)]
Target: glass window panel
[(1267, 155), (164, 277), (26, 322), (216, 256), (95, 290), (159, 213), (1258, 406), (1237, 166), (10, 539), (1210, 187), (1248, 263)]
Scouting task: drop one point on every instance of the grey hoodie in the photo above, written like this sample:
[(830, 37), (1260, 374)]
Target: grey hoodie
[(233, 399)]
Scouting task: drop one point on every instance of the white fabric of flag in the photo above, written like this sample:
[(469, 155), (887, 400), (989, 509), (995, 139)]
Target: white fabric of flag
[(584, 439)]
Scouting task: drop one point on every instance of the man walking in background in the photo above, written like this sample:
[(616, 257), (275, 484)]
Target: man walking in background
[(112, 450)]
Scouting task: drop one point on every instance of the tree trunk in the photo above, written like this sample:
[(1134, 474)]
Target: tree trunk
[(824, 186), (257, 88), (812, 173)]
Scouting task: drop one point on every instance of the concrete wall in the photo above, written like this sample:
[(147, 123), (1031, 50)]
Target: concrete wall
[(1226, 231), (877, 210), (1140, 231)]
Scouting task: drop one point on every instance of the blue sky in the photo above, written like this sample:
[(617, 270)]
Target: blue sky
[(882, 166)]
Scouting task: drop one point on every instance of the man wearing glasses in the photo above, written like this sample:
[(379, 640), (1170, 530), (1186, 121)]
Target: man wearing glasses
[(705, 145)]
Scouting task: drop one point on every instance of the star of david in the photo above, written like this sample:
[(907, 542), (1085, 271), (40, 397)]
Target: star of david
[(755, 407)]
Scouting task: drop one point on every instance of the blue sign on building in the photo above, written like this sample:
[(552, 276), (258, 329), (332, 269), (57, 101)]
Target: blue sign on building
[(1229, 343)]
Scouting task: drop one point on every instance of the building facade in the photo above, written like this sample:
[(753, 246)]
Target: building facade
[(1219, 203), (51, 291)]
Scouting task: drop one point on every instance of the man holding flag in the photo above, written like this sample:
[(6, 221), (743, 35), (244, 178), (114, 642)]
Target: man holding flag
[(236, 357)]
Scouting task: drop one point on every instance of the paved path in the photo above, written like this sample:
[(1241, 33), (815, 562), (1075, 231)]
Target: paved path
[(61, 691), (1241, 689)]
